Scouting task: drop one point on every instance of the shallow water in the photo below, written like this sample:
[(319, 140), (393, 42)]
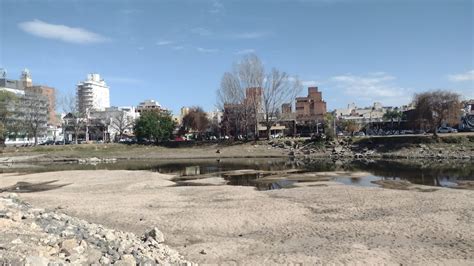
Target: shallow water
[(431, 173)]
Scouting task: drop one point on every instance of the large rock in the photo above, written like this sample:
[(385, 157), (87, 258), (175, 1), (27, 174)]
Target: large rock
[(69, 246), (155, 234), (126, 260)]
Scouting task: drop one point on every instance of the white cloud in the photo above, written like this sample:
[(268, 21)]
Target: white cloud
[(60, 32), (164, 42), (217, 7), (207, 51), (248, 35), (202, 31), (372, 87), (245, 51), (177, 47), (467, 76)]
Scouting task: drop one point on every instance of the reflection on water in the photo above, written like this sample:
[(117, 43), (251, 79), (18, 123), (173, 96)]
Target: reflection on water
[(429, 173)]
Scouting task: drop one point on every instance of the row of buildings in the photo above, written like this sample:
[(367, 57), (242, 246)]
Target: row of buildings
[(91, 116)]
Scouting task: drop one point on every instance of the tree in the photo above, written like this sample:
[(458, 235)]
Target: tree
[(33, 109), (196, 119), (437, 107), (259, 95), (156, 126), (7, 103), (72, 120), (393, 115), (121, 122), (350, 126), (329, 124)]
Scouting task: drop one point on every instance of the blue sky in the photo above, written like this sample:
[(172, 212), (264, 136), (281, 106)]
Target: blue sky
[(175, 51)]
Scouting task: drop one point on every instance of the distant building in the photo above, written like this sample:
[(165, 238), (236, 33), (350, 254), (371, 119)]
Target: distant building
[(310, 108), (148, 105), (364, 115), (50, 94), (35, 106), (92, 94)]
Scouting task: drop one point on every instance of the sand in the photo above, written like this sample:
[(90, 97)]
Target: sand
[(316, 222)]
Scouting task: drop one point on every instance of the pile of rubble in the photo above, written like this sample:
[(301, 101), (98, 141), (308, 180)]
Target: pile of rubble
[(31, 236)]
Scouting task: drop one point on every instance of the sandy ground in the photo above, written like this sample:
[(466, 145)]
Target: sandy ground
[(321, 222)]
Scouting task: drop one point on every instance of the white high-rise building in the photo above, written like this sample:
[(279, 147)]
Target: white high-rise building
[(92, 94)]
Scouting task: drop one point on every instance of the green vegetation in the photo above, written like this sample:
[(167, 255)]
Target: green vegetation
[(6, 99), (154, 126)]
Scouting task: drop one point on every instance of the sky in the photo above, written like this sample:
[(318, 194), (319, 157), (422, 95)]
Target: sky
[(176, 51)]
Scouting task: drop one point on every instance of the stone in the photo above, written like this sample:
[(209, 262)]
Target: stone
[(69, 246), (93, 256), (36, 261), (126, 260), (110, 236), (155, 234), (17, 241), (104, 260)]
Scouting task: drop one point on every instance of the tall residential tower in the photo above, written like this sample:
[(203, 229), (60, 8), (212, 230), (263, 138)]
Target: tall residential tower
[(92, 94)]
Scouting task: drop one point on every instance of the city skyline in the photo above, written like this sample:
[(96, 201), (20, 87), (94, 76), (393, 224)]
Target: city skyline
[(354, 51)]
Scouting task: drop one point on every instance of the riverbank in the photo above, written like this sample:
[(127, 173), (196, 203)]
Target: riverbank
[(446, 147), (316, 222)]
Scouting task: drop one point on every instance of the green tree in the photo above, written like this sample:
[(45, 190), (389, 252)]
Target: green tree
[(156, 126), (196, 120), (329, 129)]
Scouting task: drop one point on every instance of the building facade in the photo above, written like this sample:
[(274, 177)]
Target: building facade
[(311, 108), (92, 94), (149, 105)]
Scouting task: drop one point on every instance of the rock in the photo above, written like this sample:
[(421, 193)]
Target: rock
[(104, 260), (203, 252), (17, 241), (337, 149), (36, 261), (156, 235), (69, 246), (126, 260), (93, 256), (110, 236)]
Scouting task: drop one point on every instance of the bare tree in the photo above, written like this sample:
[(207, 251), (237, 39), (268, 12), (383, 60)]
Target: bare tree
[(437, 107), (33, 109), (121, 122), (279, 88), (73, 120), (257, 95)]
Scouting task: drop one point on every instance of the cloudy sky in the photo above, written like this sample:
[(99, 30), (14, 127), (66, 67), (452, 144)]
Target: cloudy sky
[(175, 51)]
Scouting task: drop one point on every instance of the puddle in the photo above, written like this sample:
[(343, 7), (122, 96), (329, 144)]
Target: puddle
[(429, 173)]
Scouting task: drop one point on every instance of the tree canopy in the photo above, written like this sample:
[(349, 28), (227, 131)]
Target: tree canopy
[(156, 126), (436, 108)]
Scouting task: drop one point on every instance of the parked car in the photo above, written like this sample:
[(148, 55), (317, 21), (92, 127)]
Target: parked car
[(447, 130), (359, 134)]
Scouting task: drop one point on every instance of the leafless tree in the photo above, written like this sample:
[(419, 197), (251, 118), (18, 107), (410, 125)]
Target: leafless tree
[(279, 88), (259, 95), (73, 120), (33, 109), (437, 107), (121, 122)]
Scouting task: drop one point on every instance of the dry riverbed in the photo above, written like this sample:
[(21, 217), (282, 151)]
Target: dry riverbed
[(316, 222)]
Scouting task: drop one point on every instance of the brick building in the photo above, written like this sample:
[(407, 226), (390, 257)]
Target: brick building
[(311, 108)]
